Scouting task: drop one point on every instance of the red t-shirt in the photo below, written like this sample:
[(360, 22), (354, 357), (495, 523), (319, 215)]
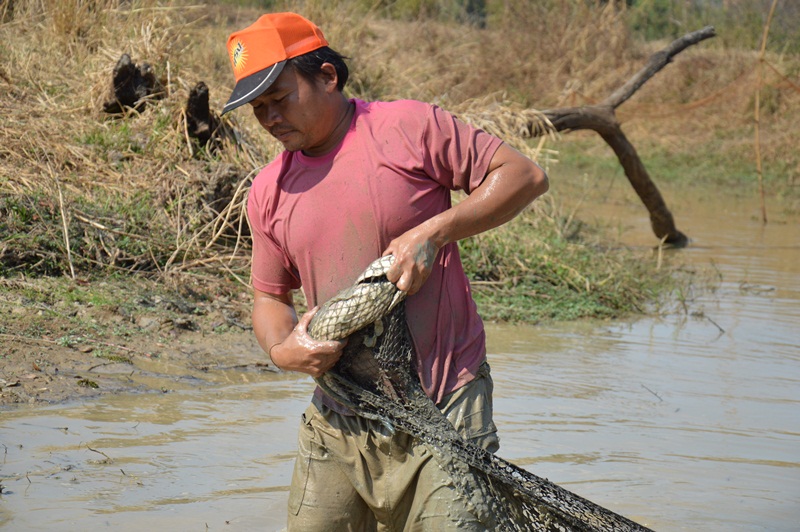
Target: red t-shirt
[(317, 222)]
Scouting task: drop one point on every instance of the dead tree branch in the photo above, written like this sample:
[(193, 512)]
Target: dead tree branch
[(656, 62), (601, 119)]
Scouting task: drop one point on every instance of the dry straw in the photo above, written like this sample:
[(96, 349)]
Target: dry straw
[(136, 193)]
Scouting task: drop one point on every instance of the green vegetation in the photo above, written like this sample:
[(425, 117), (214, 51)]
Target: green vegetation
[(543, 266), (87, 383), (740, 23), (88, 198)]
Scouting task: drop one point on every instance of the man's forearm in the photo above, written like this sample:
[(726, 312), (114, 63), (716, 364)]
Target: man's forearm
[(512, 182), (273, 320)]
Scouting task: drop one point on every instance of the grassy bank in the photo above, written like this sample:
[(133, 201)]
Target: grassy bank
[(86, 197)]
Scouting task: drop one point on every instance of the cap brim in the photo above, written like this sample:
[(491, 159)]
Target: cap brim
[(249, 88)]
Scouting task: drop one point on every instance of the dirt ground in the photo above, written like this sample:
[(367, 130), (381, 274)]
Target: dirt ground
[(63, 340)]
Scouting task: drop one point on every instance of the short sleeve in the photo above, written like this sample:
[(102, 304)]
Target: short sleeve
[(271, 270), (456, 154)]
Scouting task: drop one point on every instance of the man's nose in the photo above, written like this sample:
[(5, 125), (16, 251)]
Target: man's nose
[(268, 115)]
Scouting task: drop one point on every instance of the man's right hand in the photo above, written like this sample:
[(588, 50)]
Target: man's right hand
[(300, 352)]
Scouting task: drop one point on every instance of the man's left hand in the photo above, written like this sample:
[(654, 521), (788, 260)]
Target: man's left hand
[(414, 254)]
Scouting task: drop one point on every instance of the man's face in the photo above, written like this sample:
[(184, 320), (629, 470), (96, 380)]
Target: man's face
[(298, 112)]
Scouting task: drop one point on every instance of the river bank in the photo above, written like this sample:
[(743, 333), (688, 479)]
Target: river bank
[(64, 340)]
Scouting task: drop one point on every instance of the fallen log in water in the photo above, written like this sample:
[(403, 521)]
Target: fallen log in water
[(601, 118)]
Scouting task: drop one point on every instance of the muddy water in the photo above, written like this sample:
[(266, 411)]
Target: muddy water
[(689, 421)]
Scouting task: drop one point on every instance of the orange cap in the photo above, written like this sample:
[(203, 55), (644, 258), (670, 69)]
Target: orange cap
[(259, 52)]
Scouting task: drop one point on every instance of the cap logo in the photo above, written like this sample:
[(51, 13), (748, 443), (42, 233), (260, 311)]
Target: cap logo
[(238, 56)]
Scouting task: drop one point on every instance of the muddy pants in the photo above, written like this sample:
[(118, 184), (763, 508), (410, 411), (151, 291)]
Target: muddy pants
[(354, 474)]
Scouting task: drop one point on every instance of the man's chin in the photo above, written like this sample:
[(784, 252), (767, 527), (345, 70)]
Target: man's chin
[(288, 145), (286, 140), (292, 145)]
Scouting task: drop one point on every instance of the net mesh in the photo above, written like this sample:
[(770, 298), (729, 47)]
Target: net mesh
[(375, 377)]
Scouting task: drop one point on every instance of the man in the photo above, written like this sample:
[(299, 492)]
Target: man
[(359, 180)]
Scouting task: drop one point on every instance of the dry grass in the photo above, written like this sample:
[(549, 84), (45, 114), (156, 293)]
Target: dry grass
[(56, 143), (136, 194)]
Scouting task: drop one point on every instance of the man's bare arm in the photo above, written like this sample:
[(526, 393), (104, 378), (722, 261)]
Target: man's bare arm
[(512, 182)]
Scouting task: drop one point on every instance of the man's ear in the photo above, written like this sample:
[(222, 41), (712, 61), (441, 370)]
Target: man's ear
[(329, 76)]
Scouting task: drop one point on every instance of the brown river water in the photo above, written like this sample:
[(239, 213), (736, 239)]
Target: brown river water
[(687, 421)]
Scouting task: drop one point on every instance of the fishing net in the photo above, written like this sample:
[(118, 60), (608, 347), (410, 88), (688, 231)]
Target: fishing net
[(375, 377)]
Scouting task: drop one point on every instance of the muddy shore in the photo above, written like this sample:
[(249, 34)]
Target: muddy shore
[(110, 337)]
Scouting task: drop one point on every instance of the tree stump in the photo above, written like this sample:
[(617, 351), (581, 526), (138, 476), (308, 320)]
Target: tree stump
[(132, 87), (201, 123)]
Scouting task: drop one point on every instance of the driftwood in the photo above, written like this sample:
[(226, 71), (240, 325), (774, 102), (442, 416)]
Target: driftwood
[(601, 118)]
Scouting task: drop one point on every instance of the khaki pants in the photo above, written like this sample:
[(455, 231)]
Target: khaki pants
[(354, 474)]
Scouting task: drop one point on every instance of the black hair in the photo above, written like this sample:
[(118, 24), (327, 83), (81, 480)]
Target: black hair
[(308, 65)]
